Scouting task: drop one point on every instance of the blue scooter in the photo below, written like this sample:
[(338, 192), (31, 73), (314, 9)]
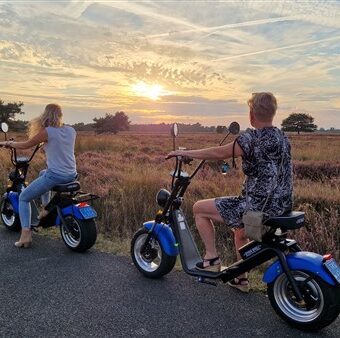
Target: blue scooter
[(67, 209), (303, 287)]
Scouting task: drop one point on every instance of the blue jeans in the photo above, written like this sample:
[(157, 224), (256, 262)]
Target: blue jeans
[(39, 187)]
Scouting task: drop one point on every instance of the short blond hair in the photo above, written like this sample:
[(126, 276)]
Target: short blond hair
[(51, 117), (264, 106)]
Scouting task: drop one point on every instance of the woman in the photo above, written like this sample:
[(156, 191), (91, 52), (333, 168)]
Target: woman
[(262, 150), (59, 142)]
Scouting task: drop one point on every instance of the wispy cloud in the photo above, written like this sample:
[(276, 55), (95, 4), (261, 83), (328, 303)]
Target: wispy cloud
[(215, 29), (277, 49)]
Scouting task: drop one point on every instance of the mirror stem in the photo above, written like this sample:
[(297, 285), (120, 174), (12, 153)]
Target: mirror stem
[(224, 139)]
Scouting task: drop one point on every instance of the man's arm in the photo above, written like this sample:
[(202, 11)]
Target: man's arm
[(213, 153)]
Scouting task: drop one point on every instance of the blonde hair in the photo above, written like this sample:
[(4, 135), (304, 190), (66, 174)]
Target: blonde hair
[(264, 106), (51, 117)]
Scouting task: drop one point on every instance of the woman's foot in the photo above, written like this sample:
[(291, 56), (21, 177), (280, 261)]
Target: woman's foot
[(211, 265), (241, 284), (25, 240)]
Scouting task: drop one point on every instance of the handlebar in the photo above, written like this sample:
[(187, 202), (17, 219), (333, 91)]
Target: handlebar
[(14, 157)]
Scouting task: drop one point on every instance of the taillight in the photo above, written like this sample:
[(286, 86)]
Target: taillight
[(82, 205), (327, 257)]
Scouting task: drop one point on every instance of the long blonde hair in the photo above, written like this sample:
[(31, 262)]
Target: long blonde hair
[(51, 117)]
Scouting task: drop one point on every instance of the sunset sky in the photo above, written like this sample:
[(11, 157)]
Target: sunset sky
[(171, 61)]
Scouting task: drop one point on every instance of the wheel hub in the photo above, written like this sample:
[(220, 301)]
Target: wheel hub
[(149, 253)]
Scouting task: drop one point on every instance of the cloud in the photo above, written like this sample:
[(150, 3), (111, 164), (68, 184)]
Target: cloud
[(88, 55), (270, 50)]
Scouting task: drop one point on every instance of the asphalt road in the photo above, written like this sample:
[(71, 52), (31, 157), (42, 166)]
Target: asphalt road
[(49, 291)]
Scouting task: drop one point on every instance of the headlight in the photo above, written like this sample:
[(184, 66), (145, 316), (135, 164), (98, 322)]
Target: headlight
[(162, 197)]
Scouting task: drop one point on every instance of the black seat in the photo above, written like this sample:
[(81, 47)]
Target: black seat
[(67, 187), (288, 221)]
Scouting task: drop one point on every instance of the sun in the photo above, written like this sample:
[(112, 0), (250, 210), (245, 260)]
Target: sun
[(153, 92)]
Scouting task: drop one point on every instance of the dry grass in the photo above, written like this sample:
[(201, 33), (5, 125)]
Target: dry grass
[(127, 170)]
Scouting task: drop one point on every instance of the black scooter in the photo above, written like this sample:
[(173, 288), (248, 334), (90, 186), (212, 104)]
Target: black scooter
[(303, 287)]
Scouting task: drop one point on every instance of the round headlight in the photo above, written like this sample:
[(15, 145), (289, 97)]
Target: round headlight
[(162, 197)]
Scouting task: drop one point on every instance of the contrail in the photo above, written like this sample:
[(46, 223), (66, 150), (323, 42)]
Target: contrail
[(277, 49), (232, 25)]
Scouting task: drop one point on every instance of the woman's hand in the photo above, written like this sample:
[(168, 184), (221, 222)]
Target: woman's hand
[(6, 144)]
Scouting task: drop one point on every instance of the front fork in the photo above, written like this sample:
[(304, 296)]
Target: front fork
[(158, 219)]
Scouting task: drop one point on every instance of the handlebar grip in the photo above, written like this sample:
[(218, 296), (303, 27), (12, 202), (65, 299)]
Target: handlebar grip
[(185, 159)]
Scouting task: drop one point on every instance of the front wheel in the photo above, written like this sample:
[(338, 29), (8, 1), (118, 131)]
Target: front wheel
[(8, 217), (320, 305), (80, 234), (154, 262)]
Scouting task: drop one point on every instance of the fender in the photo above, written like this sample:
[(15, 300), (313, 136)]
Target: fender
[(303, 260), (13, 197), (74, 211), (165, 235)]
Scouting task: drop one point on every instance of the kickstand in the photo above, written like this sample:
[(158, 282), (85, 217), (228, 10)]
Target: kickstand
[(201, 279)]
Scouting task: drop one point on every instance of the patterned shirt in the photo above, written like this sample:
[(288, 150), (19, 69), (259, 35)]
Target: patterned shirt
[(268, 166)]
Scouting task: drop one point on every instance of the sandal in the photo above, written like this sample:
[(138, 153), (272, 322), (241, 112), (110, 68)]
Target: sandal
[(241, 284), (212, 266)]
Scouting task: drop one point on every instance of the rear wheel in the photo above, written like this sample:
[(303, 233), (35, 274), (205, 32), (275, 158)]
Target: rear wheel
[(80, 235), (320, 305), (8, 217), (154, 262)]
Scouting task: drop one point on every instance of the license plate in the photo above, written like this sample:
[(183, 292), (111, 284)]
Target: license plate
[(333, 268), (88, 212)]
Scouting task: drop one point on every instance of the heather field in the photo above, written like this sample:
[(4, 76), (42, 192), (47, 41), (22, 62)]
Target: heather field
[(127, 170)]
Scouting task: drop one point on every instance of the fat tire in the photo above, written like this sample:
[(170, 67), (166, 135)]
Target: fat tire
[(88, 234), (167, 262), (329, 313), (16, 226)]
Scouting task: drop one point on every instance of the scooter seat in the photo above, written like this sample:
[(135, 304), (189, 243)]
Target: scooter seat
[(288, 221), (67, 187)]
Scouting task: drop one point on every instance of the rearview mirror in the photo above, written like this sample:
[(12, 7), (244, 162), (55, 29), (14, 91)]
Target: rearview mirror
[(4, 127), (234, 128), (174, 130), (174, 133)]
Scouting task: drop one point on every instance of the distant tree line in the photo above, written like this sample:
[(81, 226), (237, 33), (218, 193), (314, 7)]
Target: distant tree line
[(165, 127), (114, 123)]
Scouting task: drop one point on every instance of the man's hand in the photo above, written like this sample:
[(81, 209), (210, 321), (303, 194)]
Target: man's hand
[(175, 153)]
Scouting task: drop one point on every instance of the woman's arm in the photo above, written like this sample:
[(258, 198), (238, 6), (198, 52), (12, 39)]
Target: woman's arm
[(35, 140), (214, 153)]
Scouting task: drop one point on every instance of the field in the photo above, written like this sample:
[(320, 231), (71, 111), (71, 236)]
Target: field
[(127, 170)]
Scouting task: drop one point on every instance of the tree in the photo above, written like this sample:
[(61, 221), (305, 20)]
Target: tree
[(18, 125), (9, 110), (112, 123), (299, 122), (220, 129)]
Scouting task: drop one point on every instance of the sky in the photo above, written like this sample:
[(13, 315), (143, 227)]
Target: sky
[(171, 61)]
